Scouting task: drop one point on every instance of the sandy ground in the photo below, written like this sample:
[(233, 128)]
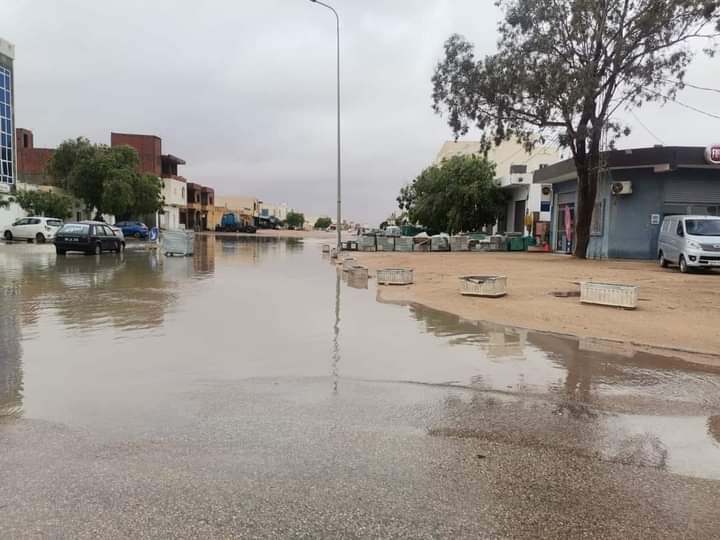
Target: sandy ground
[(676, 311)]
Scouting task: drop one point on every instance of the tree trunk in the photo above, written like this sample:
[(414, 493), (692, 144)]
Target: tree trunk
[(588, 169)]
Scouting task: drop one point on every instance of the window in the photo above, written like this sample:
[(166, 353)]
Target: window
[(598, 220), (75, 228), (6, 128), (679, 231), (518, 169), (33, 221), (26, 140)]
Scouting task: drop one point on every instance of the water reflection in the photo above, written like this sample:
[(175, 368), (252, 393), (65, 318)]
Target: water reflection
[(336, 335), (11, 374)]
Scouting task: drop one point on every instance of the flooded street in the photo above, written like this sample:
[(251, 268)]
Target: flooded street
[(254, 390)]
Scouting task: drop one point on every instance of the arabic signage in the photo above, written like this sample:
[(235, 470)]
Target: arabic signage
[(712, 154)]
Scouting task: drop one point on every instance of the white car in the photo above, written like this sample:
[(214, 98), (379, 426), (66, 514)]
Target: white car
[(37, 228)]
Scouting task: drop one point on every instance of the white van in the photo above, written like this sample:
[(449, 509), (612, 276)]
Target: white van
[(690, 242)]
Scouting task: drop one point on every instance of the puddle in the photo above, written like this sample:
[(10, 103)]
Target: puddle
[(118, 342)]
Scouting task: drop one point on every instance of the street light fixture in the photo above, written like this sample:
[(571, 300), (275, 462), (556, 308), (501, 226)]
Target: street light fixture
[(339, 217)]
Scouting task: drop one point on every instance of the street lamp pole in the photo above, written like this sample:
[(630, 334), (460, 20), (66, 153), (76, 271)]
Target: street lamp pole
[(339, 169)]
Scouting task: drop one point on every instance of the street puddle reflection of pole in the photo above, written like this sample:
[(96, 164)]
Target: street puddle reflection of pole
[(336, 336)]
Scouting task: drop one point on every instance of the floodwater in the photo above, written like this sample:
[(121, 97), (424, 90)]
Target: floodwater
[(143, 386)]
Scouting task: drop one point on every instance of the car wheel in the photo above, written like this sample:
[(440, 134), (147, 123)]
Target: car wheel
[(98, 249), (60, 251), (8, 236), (683, 265), (39, 238), (121, 247), (662, 261), (138, 235)]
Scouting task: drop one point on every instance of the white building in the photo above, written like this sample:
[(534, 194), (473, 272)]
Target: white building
[(175, 196), (514, 173)]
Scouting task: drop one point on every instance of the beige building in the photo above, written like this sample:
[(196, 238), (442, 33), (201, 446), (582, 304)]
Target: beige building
[(529, 203), (248, 206)]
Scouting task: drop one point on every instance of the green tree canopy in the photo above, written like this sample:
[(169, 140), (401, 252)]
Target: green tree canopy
[(45, 203), (460, 194), (564, 67), (105, 178), (295, 219), (323, 223)]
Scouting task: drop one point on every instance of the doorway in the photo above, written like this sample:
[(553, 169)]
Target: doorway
[(564, 224), (519, 217)]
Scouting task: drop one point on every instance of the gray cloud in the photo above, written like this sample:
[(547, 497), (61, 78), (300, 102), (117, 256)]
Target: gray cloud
[(244, 91)]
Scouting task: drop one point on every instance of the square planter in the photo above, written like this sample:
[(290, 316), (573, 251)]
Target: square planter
[(404, 243), (326, 248), (348, 263), (395, 276), (422, 245), (609, 294), (459, 243), (490, 286), (386, 243), (439, 243), (366, 243)]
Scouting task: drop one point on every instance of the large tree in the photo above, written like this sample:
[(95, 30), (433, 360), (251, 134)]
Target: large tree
[(564, 67), (295, 220), (45, 203), (105, 178), (460, 194)]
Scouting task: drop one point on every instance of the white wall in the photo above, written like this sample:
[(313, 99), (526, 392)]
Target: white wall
[(174, 192), (8, 215), (170, 220)]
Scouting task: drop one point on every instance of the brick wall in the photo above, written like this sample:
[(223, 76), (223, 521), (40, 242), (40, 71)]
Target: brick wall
[(149, 149), (31, 161)]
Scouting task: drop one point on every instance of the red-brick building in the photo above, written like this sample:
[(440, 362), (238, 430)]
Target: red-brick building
[(31, 161)]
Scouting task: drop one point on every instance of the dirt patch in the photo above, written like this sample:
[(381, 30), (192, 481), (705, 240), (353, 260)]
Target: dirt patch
[(679, 312)]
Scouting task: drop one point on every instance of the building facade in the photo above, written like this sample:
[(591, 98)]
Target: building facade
[(165, 167), (32, 162), (528, 208), (7, 117), (637, 189)]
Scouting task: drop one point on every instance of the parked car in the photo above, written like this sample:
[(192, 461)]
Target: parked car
[(135, 229), (690, 242), (89, 237), (37, 228)]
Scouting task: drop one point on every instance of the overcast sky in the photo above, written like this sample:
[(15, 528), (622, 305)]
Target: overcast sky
[(244, 91)]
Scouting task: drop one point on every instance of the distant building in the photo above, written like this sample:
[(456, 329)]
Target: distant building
[(244, 206), (32, 162), (529, 204), (199, 207), (279, 211), (7, 116), (165, 167)]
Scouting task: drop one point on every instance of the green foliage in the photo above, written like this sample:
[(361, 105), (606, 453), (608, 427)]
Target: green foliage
[(45, 203), (458, 195), (105, 178), (564, 67), (4, 203), (323, 223), (295, 219)]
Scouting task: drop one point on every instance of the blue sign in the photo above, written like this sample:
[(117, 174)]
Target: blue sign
[(153, 234)]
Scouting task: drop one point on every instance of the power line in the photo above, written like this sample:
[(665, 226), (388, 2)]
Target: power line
[(696, 87), (647, 128), (682, 104)]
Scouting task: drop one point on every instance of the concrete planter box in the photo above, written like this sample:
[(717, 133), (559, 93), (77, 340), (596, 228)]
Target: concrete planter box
[(395, 276), (333, 253), (348, 263), (609, 294), (404, 243), (459, 243), (439, 243), (490, 286), (366, 243), (422, 245), (386, 243), (358, 271), (326, 248)]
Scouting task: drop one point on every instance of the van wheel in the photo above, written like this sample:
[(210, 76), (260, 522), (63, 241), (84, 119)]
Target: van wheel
[(662, 261), (683, 265), (8, 236), (39, 238)]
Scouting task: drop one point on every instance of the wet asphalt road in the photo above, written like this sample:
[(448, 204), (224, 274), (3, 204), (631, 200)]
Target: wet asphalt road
[(249, 392)]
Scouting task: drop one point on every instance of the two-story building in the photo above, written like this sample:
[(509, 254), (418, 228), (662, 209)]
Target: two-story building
[(199, 213), (247, 208), (528, 203), (165, 167)]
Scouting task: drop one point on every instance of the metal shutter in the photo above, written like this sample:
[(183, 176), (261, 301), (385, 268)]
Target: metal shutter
[(692, 191), (566, 198)]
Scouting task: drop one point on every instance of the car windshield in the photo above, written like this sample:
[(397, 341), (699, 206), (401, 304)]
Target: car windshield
[(54, 223), (703, 227), (75, 228)]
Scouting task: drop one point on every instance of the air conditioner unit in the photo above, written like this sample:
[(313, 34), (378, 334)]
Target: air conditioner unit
[(621, 188)]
